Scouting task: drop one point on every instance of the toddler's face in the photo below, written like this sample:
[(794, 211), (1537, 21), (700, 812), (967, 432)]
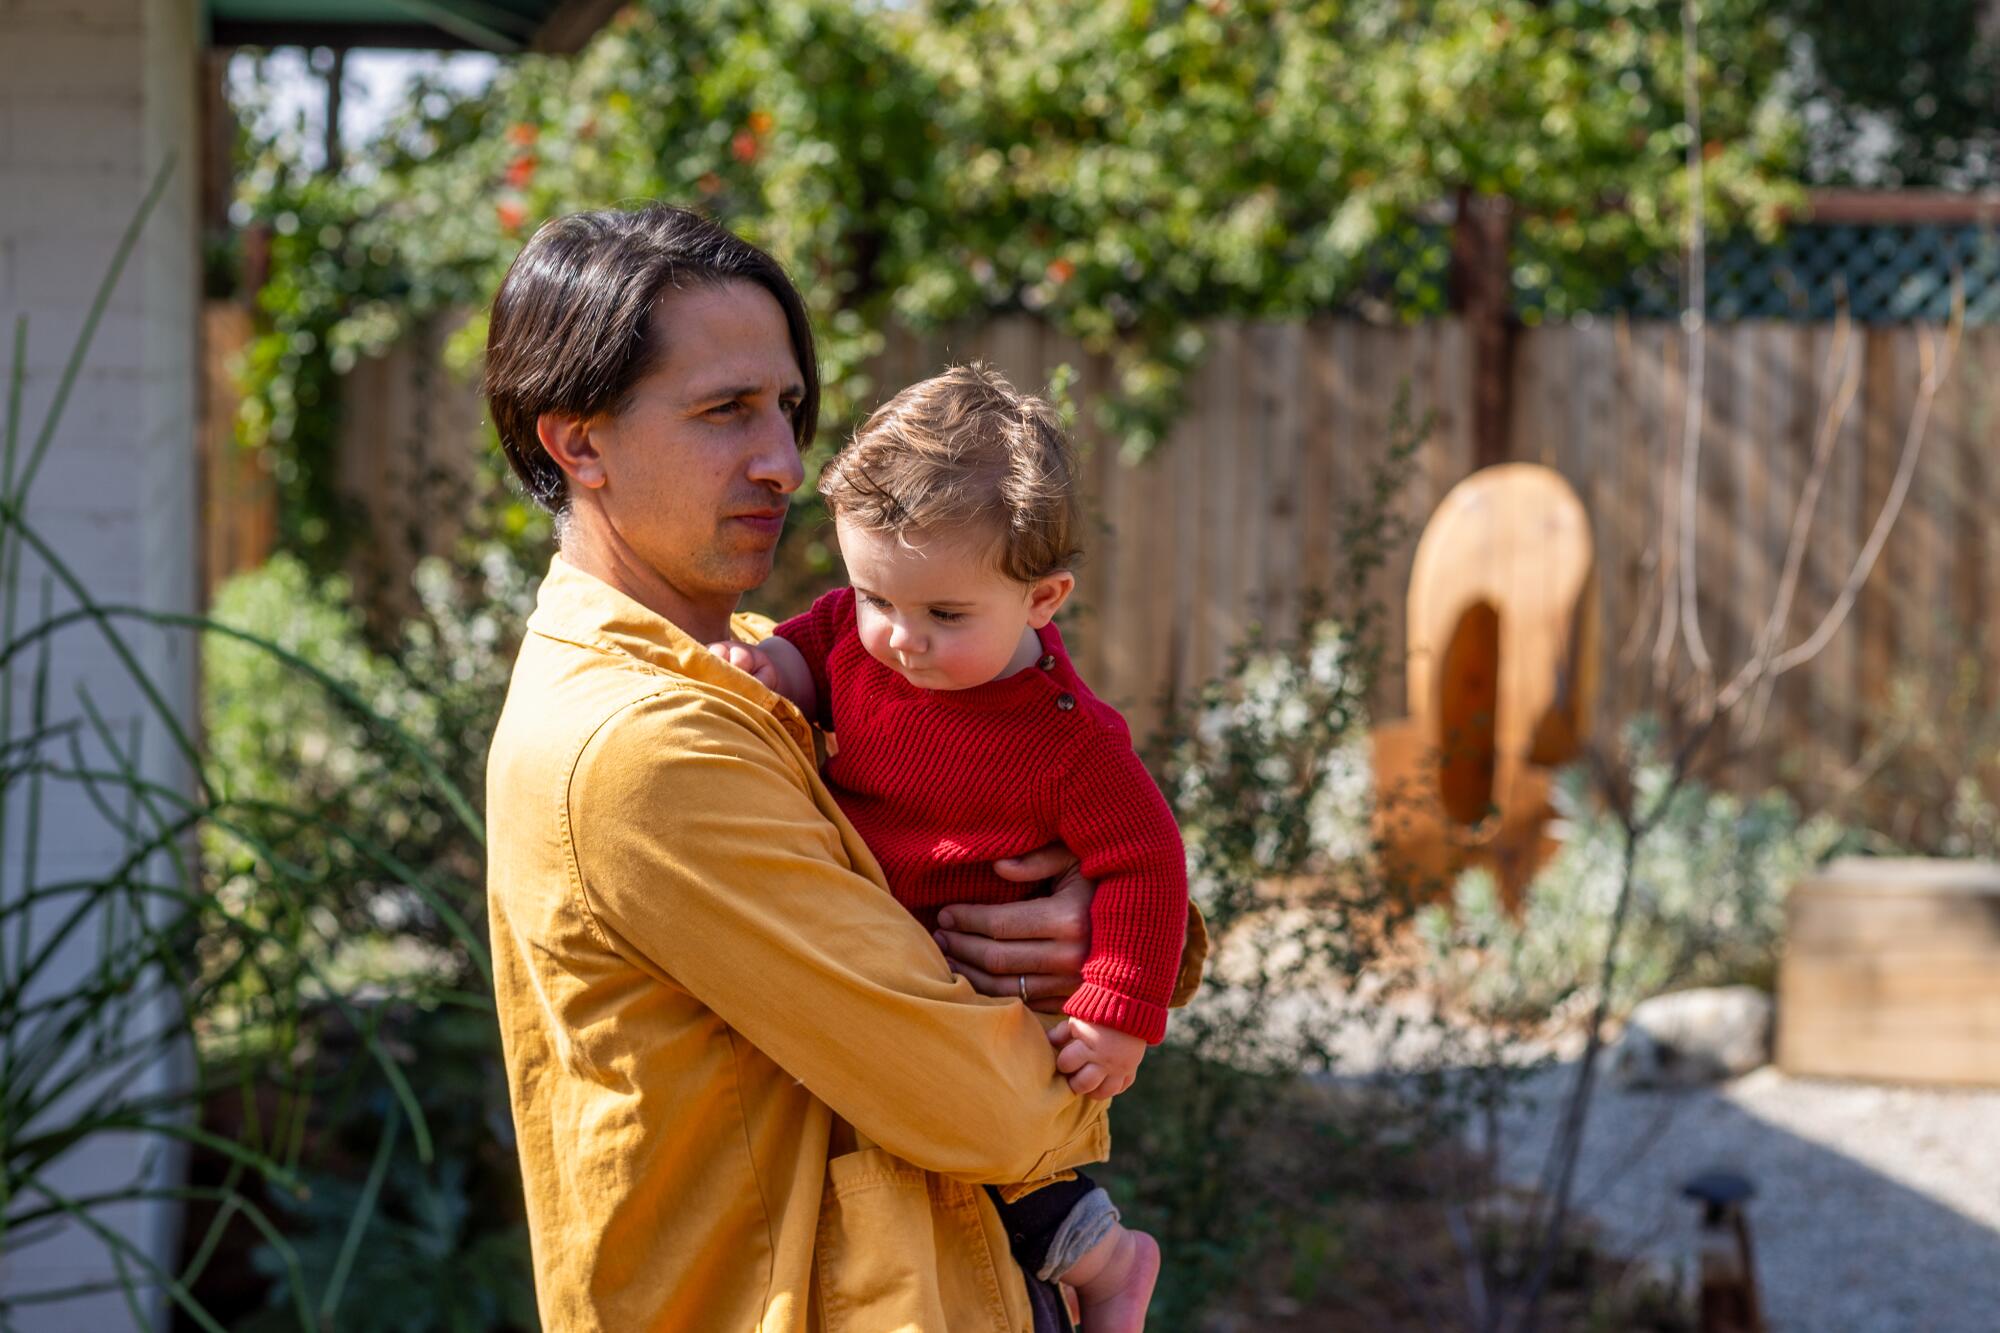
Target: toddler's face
[(935, 609)]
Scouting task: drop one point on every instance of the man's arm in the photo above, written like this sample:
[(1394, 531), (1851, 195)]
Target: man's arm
[(704, 858), (1045, 939)]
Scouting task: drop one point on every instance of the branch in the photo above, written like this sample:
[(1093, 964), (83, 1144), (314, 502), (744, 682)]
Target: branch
[(1936, 367), (1670, 604), (1568, 1145), (1849, 370), (1694, 319)]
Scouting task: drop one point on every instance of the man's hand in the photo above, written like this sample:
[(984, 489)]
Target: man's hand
[(1044, 940), (1101, 1062)]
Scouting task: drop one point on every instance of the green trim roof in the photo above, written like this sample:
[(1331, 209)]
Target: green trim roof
[(501, 26)]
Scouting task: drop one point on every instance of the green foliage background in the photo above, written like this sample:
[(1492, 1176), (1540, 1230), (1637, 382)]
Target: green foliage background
[(1122, 170)]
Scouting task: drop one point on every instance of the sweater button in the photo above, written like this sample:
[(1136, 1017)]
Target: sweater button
[(1048, 662), (1065, 702)]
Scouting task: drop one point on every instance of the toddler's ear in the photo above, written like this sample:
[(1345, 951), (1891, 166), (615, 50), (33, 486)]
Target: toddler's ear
[(1047, 594)]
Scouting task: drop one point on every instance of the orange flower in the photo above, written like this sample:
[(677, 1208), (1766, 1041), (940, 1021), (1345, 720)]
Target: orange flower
[(744, 146), (523, 133), (709, 183), (511, 216), (1061, 270), (521, 171), (760, 122)]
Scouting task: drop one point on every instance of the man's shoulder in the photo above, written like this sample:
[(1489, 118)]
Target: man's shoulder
[(636, 717), (676, 718)]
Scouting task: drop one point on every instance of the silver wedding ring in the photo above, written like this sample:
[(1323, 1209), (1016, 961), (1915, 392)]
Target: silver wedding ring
[(1023, 979)]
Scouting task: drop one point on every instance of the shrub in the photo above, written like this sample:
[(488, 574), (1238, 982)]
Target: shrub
[(288, 750), (1931, 783), (390, 864), (1707, 909)]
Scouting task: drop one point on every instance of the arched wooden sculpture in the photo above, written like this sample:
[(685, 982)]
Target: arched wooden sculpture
[(1501, 673)]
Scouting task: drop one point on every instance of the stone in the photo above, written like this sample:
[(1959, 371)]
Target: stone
[(1692, 1037)]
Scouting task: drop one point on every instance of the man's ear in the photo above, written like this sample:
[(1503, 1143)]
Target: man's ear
[(1047, 594), (569, 440)]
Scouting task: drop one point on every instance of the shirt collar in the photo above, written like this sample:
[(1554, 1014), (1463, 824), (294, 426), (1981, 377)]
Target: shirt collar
[(582, 609)]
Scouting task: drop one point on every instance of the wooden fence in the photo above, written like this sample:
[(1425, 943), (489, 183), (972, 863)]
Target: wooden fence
[(1233, 521), (239, 503)]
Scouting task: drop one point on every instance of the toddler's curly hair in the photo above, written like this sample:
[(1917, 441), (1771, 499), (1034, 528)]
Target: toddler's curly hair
[(958, 451)]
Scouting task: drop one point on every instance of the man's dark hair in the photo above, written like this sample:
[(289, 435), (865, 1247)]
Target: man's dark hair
[(572, 328)]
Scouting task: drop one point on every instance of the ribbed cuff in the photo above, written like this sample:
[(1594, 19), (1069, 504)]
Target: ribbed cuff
[(1096, 1004)]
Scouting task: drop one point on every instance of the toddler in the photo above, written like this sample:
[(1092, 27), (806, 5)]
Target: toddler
[(963, 735)]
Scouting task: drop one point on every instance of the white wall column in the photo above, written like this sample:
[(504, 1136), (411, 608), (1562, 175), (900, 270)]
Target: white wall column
[(95, 97)]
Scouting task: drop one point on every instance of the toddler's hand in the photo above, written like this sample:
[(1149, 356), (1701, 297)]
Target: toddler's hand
[(752, 660), (1101, 1062)]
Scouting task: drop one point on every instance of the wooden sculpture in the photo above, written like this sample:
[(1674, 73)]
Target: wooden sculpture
[(1501, 673)]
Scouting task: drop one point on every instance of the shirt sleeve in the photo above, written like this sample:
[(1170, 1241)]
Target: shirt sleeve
[(705, 859), (1111, 814), (814, 632)]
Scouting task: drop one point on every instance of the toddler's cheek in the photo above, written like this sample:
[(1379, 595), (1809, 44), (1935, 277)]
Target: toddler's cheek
[(877, 647)]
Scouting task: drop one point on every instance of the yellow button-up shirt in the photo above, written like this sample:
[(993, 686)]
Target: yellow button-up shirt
[(748, 1092)]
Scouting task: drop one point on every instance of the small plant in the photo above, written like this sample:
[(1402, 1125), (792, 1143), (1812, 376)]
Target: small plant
[(1707, 902), (1222, 1149), (1930, 784), (1273, 777)]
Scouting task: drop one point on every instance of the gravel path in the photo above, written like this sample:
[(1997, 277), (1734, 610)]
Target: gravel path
[(1878, 1208)]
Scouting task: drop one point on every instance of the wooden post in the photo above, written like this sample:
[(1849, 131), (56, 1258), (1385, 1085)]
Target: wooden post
[(1482, 293), (334, 75), (218, 143)]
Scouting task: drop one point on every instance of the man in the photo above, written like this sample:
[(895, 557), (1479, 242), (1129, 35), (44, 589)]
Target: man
[(749, 1092)]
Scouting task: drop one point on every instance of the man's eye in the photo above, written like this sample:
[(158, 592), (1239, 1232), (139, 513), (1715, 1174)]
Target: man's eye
[(728, 409)]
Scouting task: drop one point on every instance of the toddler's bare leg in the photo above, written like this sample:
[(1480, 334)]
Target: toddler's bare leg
[(1114, 1281)]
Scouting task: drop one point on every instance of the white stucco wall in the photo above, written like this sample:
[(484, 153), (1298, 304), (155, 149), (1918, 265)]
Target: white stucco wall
[(95, 95)]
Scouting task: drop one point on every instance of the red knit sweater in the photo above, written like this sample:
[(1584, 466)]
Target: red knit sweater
[(942, 783)]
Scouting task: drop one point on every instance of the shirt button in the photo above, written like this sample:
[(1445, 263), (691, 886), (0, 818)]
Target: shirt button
[(1048, 662), (1065, 702)]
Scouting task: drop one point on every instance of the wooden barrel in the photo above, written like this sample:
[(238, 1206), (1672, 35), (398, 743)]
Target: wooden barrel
[(1891, 971)]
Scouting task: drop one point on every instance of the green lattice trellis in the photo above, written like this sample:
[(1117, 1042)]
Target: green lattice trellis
[(1888, 273)]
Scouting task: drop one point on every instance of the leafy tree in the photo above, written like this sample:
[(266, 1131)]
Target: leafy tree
[(1125, 171), (1902, 92)]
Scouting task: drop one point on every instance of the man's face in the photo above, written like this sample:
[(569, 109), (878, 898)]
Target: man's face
[(700, 466)]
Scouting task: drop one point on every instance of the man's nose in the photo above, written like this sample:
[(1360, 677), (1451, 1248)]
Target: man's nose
[(776, 462)]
